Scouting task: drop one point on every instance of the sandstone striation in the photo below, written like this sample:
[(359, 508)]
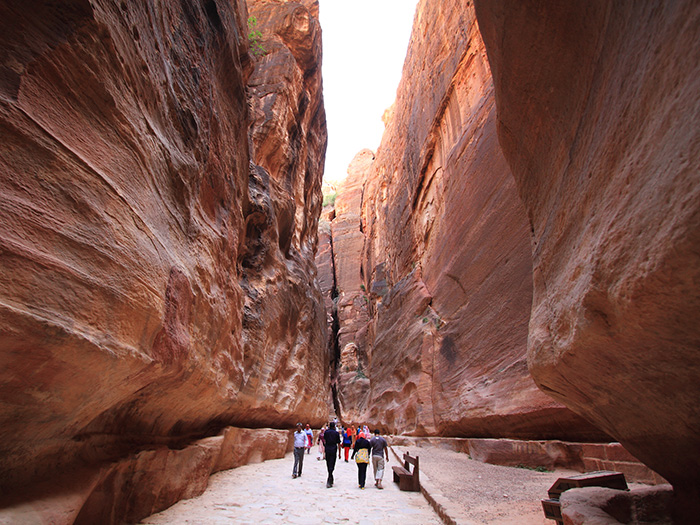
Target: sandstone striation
[(446, 257), (597, 109), (156, 256)]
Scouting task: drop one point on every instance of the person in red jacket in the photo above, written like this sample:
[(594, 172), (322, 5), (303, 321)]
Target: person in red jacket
[(347, 443)]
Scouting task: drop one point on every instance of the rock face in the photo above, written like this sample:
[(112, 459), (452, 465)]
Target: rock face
[(352, 304), (150, 481), (445, 267), (157, 277), (597, 107), (284, 340)]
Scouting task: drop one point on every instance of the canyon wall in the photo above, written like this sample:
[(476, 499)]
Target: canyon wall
[(439, 298), (159, 220), (352, 301), (598, 107)]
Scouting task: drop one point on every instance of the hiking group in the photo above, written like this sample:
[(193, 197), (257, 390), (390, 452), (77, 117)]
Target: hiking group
[(332, 441)]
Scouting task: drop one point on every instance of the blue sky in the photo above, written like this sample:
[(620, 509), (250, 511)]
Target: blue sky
[(364, 46)]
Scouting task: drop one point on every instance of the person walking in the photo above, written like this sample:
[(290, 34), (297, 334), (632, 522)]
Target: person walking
[(379, 448), (361, 456), (347, 443), (340, 430), (310, 436), (300, 439), (321, 444), (331, 440)]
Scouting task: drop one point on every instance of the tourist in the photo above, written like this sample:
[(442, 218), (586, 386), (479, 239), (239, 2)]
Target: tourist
[(300, 439), (379, 448), (340, 431), (310, 440), (361, 456), (347, 443), (353, 434), (331, 439), (321, 444)]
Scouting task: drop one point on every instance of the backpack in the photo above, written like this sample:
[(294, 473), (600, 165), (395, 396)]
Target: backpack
[(362, 456)]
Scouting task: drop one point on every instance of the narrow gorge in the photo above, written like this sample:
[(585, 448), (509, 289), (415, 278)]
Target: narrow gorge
[(517, 265)]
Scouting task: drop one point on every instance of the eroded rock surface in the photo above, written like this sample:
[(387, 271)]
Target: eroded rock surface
[(446, 260), (598, 106), (157, 277)]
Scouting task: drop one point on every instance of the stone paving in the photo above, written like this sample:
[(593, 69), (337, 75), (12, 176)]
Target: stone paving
[(265, 493)]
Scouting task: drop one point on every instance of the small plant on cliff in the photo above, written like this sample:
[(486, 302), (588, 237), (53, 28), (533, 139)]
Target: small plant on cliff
[(254, 38), (329, 199)]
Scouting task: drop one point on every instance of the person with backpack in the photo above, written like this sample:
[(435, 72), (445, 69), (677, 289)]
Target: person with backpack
[(347, 443), (360, 454)]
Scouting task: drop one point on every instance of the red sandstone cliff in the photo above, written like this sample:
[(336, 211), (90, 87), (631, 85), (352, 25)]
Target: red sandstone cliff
[(598, 106), (352, 303), (157, 277), (445, 268)]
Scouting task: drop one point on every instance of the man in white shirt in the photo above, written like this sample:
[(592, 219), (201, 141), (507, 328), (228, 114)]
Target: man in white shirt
[(300, 439)]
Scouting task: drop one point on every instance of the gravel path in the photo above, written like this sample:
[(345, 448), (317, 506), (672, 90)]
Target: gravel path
[(484, 493)]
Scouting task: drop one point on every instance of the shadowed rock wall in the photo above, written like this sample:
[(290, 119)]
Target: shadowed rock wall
[(598, 107), (446, 258), (157, 278)]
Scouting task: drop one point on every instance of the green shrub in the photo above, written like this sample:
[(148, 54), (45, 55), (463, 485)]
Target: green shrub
[(254, 38)]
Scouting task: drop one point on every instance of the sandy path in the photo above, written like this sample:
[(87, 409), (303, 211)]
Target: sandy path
[(265, 493)]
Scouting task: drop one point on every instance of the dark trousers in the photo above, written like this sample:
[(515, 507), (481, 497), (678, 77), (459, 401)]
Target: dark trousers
[(298, 460), (362, 473), (330, 463)]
